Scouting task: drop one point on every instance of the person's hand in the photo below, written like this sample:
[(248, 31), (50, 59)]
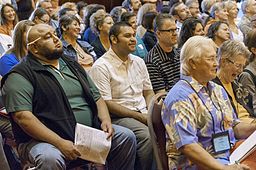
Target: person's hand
[(236, 167), (106, 126), (68, 149)]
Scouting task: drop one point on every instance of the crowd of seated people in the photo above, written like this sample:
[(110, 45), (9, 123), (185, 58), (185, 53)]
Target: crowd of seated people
[(79, 63)]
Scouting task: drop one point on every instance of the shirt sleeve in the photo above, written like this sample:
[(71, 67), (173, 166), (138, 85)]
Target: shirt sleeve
[(101, 79), (146, 80), (17, 93), (155, 76), (180, 122), (93, 89), (6, 64)]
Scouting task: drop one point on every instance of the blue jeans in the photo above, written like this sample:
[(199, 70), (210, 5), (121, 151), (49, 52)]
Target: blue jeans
[(45, 156)]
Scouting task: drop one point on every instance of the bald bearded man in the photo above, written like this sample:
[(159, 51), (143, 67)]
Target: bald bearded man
[(52, 95)]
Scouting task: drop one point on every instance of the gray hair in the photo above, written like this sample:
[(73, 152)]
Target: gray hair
[(244, 5), (194, 48), (217, 7), (190, 2), (144, 9), (231, 48), (96, 20), (206, 5)]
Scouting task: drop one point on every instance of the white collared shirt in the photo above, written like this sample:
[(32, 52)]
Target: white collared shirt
[(122, 82)]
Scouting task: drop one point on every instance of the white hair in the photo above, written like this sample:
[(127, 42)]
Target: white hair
[(194, 48)]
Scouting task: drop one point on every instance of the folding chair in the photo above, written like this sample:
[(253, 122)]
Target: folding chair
[(157, 131)]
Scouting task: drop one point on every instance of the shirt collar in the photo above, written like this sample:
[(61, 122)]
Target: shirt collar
[(116, 60), (196, 85)]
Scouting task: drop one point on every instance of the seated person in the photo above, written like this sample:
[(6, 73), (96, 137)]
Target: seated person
[(248, 77), (233, 56), (80, 51), (163, 62), (45, 110), (19, 49), (197, 110), (149, 38), (123, 81), (101, 22)]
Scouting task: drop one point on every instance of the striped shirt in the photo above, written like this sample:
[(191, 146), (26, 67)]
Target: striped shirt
[(163, 68)]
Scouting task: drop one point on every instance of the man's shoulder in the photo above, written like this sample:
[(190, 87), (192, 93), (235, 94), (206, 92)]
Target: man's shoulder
[(154, 54)]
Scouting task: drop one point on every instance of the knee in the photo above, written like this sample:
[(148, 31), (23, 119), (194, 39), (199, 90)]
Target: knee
[(50, 160)]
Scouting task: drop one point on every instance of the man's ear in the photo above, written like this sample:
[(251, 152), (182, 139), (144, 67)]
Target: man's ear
[(113, 39), (192, 64)]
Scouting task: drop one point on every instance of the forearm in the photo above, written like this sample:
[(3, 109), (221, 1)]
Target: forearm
[(120, 111), (244, 130), (148, 94), (34, 128), (200, 157), (103, 113)]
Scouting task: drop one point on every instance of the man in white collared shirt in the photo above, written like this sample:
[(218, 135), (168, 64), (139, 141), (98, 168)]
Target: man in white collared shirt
[(124, 83)]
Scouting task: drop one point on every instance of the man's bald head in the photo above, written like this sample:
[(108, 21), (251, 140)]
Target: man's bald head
[(43, 42), (37, 31)]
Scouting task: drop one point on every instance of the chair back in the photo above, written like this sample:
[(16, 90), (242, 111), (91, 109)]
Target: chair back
[(157, 131)]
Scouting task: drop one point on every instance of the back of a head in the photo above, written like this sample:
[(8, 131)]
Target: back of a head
[(92, 8), (126, 16), (39, 3), (148, 20), (193, 49), (70, 5), (64, 11), (116, 12)]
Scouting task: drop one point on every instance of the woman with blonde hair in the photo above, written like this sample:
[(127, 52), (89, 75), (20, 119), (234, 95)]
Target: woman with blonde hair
[(232, 16), (101, 22), (19, 48)]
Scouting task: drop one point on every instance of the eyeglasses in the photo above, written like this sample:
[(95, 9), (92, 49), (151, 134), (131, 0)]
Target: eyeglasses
[(239, 66), (171, 30)]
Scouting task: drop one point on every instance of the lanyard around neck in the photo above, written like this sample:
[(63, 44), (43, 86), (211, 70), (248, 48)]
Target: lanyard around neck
[(222, 114)]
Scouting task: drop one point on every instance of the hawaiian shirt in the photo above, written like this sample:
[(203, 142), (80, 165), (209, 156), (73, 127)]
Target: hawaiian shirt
[(189, 112)]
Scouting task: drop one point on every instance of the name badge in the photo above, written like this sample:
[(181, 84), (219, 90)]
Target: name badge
[(221, 142)]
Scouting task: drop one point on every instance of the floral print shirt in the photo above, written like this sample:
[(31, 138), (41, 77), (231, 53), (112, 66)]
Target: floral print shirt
[(188, 113)]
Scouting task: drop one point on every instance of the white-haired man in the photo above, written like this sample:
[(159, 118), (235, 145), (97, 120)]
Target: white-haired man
[(200, 123)]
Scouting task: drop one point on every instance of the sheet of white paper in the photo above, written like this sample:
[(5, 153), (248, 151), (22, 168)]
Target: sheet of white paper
[(92, 143), (247, 146)]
